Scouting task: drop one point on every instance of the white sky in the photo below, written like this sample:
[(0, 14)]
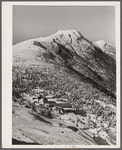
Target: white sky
[(94, 22)]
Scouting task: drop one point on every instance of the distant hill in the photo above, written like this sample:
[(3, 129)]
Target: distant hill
[(106, 47)]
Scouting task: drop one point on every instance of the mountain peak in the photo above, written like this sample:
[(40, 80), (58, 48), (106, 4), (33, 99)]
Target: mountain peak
[(68, 33), (106, 47), (102, 44)]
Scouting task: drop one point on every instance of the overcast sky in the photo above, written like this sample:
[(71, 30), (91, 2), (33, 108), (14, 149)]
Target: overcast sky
[(94, 22)]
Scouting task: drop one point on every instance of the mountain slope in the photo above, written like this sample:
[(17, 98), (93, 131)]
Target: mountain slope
[(74, 58)]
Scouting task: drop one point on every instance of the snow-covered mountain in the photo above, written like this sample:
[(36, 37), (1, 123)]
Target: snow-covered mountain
[(72, 51), (106, 47), (102, 44)]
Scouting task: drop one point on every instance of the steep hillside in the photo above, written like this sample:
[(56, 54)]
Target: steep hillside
[(65, 61)]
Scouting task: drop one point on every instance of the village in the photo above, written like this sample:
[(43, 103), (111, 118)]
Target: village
[(77, 116)]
